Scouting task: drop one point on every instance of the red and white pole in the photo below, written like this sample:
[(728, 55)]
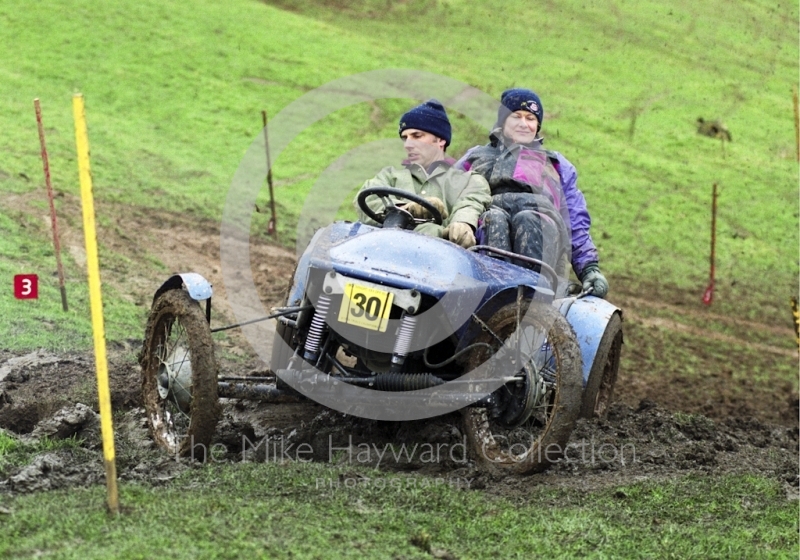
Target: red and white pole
[(56, 243), (708, 296)]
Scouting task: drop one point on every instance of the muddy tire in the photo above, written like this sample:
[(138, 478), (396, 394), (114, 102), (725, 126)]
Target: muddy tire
[(180, 402), (603, 376), (554, 364)]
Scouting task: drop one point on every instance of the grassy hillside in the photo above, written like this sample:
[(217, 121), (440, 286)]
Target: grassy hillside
[(174, 93)]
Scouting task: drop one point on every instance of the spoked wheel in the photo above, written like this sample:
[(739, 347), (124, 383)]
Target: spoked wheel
[(179, 376), (603, 376), (529, 422)]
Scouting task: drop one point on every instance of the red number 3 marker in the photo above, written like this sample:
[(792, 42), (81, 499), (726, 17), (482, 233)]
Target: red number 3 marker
[(26, 286)]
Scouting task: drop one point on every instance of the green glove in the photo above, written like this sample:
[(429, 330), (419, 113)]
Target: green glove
[(421, 213), (593, 279), (460, 234)]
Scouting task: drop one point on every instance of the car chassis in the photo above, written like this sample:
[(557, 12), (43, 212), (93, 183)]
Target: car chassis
[(382, 321)]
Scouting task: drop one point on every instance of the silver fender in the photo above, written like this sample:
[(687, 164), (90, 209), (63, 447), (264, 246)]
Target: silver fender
[(589, 317), (198, 287)]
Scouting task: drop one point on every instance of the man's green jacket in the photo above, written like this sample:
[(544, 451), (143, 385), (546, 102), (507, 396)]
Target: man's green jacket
[(466, 195)]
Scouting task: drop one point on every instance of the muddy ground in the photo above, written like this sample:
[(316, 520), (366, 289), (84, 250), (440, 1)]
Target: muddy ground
[(695, 392)]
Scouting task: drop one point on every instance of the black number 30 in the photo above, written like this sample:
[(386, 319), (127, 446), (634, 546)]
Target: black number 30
[(371, 306)]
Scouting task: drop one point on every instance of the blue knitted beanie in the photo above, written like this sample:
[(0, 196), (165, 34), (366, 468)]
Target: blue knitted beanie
[(519, 99), (429, 117)]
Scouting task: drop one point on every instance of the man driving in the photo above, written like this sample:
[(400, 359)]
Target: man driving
[(461, 197)]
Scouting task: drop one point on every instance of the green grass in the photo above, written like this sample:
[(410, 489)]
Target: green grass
[(42, 323), (676, 351), (297, 511), (16, 453), (8, 443)]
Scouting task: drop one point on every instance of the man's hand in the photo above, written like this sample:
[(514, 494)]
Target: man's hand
[(421, 213), (461, 234), (591, 277)]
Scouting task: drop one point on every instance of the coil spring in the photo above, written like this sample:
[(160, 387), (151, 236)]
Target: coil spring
[(403, 342), (317, 327), (406, 381)]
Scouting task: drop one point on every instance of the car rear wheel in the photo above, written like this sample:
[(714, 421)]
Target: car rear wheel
[(529, 422)]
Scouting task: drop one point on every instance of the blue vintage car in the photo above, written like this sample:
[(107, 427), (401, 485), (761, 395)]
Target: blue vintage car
[(385, 323)]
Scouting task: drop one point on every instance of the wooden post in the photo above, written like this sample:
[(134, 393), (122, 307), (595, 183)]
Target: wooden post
[(708, 296), (273, 221), (53, 222)]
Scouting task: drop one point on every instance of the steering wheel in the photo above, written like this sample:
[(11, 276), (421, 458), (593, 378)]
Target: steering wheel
[(384, 192)]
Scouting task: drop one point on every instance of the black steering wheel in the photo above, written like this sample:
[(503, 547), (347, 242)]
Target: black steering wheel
[(384, 192)]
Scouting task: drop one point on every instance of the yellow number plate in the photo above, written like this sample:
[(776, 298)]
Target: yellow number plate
[(365, 307)]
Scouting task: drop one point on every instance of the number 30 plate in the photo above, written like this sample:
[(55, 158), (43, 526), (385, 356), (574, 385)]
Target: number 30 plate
[(365, 307)]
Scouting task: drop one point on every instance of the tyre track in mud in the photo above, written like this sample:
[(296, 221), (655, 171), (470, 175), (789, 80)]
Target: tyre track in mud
[(781, 331), (673, 325)]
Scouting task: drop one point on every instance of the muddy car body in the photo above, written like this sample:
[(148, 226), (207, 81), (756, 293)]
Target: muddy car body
[(385, 323)]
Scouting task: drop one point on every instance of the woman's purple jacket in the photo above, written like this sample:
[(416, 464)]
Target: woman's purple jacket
[(584, 251)]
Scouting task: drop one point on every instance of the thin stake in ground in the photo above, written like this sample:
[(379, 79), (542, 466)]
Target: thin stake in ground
[(53, 221), (708, 296), (273, 222)]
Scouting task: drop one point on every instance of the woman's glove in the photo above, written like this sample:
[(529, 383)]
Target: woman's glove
[(421, 213), (461, 234), (593, 279)]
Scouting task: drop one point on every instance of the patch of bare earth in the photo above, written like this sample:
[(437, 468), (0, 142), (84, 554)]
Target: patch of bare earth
[(696, 390)]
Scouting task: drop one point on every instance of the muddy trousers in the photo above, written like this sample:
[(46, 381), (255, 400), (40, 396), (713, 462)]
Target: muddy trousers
[(514, 223)]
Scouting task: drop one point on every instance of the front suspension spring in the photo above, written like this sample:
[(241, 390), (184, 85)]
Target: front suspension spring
[(408, 325), (316, 329)]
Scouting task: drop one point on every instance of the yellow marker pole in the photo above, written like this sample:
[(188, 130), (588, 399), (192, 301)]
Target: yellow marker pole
[(96, 301)]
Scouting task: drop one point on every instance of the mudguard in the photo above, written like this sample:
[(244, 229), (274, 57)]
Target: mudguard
[(198, 287), (589, 316)]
